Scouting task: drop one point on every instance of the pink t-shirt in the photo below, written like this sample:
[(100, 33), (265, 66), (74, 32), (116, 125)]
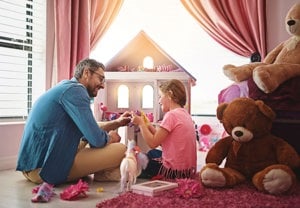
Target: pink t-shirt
[(179, 148)]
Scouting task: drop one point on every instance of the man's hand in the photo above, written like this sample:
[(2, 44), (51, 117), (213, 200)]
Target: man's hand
[(124, 119), (114, 137)]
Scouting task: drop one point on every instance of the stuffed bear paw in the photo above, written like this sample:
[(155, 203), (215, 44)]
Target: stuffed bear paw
[(233, 73), (212, 178), (277, 181), (264, 80), (238, 73)]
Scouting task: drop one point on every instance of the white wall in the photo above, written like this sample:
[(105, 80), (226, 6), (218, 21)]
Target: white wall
[(9, 144), (276, 12)]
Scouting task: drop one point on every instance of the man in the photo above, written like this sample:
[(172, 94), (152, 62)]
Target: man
[(56, 124)]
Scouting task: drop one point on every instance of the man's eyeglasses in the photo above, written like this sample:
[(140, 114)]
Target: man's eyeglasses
[(100, 76)]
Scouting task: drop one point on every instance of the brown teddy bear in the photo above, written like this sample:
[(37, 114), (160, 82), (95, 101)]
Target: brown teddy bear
[(280, 64), (250, 150)]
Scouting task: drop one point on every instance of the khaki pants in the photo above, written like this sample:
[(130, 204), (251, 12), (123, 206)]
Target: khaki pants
[(88, 161), (33, 176)]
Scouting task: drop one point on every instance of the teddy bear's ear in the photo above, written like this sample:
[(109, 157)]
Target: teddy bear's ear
[(266, 110), (220, 110)]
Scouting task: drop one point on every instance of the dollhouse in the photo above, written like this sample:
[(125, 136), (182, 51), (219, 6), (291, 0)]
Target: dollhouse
[(132, 80)]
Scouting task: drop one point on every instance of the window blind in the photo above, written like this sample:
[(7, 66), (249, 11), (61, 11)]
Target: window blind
[(22, 53)]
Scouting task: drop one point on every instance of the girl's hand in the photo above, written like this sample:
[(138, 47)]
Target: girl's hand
[(135, 119)]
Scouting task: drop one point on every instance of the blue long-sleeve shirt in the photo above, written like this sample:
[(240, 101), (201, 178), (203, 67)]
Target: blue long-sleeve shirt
[(55, 124)]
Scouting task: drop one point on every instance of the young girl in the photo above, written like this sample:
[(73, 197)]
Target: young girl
[(175, 134)]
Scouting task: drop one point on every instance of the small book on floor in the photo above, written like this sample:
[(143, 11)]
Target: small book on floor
[(153, 188)]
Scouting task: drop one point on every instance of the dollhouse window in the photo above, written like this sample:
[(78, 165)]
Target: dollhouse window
[(148, 62), (147, 97), (123, 96)]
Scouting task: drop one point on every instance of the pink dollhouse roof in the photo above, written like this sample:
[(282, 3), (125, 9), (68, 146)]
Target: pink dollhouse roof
[(130, 58)]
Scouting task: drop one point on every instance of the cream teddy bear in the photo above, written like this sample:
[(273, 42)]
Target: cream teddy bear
[(281, 64)]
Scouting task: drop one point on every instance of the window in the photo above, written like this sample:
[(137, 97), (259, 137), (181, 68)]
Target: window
[(22, 55), (148, 62), (123, 96), (182, 38), (147, 96)]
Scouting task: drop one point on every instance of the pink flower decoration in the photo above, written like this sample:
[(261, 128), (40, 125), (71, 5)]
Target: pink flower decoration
[(76, 191), (188, 188)]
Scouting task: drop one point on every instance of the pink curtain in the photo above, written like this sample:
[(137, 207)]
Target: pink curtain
[(238, 25), (79, 24)]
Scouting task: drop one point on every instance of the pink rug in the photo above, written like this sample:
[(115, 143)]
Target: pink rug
[(244, 195)]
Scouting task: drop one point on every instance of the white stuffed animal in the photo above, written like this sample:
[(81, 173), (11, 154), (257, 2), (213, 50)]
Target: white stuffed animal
[(132, 165)]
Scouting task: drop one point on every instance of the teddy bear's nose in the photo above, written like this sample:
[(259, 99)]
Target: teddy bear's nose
[(291, 22), (238, 133)]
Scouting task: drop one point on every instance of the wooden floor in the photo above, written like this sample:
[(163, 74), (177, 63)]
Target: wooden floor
[(15, 191)]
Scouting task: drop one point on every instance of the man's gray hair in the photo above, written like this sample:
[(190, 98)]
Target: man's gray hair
[(91, 64)]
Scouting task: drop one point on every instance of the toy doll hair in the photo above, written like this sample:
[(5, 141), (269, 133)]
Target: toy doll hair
[(91, 64), (176, 90)]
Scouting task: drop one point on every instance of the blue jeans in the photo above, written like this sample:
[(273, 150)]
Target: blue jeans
[(154, 164)]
